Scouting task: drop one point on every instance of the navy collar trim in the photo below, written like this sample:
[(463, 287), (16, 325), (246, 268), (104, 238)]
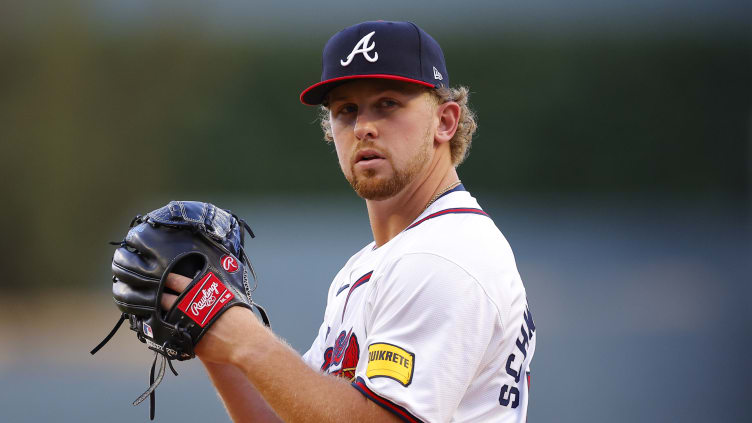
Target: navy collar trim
[(449, 211), (459, 187)]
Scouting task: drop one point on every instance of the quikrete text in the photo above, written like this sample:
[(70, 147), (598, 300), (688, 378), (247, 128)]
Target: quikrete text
[(381, 355)]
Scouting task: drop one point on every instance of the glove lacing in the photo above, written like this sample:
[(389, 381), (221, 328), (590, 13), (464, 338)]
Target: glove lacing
[(154, 383), (111, 334)]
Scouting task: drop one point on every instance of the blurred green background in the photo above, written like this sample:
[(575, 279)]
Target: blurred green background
[(599, 120), (97, 117)]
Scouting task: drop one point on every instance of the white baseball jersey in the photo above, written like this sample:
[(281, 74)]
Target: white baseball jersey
[(434, 325)]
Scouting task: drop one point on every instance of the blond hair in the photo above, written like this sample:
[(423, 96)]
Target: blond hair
[(459, 145)]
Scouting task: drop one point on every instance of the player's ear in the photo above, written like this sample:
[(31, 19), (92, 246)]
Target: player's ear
[(448, 116)]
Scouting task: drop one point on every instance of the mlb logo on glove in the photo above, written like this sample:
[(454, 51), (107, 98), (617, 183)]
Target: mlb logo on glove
[(147, 331)]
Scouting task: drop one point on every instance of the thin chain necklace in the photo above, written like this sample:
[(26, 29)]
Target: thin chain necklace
[(440, 193)]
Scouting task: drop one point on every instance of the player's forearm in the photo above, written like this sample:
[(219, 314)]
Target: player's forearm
[(241, 399), (295, 391)]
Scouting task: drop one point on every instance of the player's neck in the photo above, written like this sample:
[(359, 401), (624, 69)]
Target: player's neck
[(391, 216)]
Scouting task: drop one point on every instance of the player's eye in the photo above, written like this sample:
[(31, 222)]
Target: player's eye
[(387, 103), (347, 109)]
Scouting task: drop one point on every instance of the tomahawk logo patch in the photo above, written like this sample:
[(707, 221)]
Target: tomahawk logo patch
[(348, 356), (387, 360), (363, 48), (205, 299)]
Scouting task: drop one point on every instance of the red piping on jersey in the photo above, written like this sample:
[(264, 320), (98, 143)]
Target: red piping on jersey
[(449, 211), (361, 280), (528, 381), (400, 412)]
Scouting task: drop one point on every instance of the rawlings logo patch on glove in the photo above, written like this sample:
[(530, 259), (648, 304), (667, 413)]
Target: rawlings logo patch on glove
[(205, 299)]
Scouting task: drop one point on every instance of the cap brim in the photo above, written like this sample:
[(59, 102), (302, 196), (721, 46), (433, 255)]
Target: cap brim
[(315, 94)]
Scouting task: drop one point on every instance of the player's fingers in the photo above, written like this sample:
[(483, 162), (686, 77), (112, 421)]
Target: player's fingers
[(168, 300), (176, 282)]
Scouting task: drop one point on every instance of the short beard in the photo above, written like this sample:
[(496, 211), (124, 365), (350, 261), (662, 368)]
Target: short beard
[(371, 187)]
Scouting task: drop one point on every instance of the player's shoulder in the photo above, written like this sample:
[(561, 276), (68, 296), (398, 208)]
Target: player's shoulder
[(457, 228), (456, 232)]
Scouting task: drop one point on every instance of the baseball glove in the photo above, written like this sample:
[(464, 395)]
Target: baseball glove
[(194, 239)]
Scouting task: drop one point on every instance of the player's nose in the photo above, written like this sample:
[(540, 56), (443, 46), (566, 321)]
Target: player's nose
[(365, 127)]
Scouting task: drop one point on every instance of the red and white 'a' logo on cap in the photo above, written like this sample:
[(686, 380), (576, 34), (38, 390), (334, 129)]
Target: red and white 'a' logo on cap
[(229, 263)]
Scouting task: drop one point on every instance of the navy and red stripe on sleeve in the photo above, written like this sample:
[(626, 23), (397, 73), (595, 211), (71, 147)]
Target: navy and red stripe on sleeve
[(397, 410)]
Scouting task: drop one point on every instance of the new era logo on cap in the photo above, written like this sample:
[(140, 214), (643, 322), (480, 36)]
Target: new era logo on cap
[(379, 49)]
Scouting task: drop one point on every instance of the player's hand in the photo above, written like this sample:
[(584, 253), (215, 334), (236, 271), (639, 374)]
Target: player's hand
[(224, 339), (177, 283)]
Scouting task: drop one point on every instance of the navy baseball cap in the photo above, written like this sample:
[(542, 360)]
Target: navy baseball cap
[(379, 49)]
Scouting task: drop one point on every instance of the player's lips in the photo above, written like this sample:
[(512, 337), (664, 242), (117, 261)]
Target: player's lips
[(368, 155)]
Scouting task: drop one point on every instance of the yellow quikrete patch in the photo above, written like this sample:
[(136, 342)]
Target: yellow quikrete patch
[(387, 360)]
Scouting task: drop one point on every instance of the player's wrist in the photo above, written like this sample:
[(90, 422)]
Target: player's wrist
[(240, 349), (242, 357)]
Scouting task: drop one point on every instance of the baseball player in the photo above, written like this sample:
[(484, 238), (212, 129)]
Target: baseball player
[(429, 322)]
